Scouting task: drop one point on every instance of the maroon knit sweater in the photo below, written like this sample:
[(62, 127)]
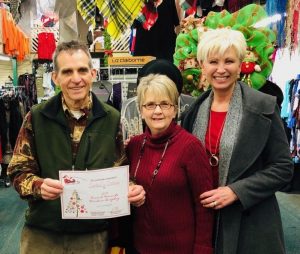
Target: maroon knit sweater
[(172, 219)]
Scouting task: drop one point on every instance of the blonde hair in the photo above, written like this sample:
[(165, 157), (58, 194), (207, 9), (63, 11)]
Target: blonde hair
[(159, 85), (218, 41)]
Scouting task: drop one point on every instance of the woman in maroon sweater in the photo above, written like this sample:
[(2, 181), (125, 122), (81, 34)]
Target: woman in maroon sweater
[(173, 168)]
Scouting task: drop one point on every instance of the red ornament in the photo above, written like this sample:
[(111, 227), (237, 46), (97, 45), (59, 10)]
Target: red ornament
[(248, 67)]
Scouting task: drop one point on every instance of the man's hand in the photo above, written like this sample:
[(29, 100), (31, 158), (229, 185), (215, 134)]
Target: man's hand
[(51, 189), (136, 195)]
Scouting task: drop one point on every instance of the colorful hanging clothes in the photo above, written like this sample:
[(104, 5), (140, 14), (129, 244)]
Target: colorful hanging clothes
[(120, 14), (87, 9)]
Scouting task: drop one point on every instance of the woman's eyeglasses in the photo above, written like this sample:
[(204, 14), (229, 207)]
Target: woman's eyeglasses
[(163, 105)]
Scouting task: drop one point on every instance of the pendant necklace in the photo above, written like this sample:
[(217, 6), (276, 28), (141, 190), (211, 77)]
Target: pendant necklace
[(155, 171), (213, 159)]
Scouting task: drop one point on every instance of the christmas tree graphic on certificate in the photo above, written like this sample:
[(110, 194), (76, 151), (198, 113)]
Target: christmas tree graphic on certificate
[(75, 205)]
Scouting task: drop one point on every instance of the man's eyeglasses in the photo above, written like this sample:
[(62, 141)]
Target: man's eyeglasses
[(163, 105)]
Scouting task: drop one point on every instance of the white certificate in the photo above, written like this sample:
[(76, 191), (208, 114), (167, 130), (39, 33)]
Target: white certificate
[(95, 194)]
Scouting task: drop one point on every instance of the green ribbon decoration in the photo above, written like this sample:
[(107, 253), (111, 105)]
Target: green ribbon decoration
[(260, 40)]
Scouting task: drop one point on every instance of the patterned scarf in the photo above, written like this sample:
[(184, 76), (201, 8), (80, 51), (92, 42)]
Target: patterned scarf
[(230, 131), (87, 9), (149, 14), (120, 14), (189, 6)]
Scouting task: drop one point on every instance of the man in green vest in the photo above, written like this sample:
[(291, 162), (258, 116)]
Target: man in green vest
[(71, 131)]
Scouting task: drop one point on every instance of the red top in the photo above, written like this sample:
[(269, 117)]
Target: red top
[(46, 45), (172, 220), (216, 121)]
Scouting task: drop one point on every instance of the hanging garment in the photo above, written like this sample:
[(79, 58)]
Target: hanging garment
[(235, 5), (1, 32), (16, 42), (15, 10), (160, 40), (278, 7), (30, 92), (149, 15), (120, 14), (189, 6), (10, 124), (87, 9), (46, 45)]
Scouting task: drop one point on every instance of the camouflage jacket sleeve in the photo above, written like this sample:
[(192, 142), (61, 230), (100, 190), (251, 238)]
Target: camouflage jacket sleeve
[(23, 169)]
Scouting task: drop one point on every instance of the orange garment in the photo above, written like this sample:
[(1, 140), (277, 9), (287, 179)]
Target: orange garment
[(1, 33), (15, 41), (22, 45), (4, 25), (10, 40)]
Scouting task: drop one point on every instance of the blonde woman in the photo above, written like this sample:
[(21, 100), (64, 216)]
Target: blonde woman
[(247, 149)]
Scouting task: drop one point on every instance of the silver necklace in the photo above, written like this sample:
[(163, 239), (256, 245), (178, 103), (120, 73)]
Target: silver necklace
[(213, 159)]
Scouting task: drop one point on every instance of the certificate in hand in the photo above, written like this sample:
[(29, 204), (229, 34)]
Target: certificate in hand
[(95, 194)]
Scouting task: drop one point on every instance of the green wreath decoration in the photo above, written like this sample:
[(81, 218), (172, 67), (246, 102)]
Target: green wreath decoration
[(257, 65)]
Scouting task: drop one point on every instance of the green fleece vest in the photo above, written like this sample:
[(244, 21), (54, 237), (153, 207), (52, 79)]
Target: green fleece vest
[(53, 148)]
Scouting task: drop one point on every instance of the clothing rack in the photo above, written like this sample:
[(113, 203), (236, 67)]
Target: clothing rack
[(10, 86), (4, 90)]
